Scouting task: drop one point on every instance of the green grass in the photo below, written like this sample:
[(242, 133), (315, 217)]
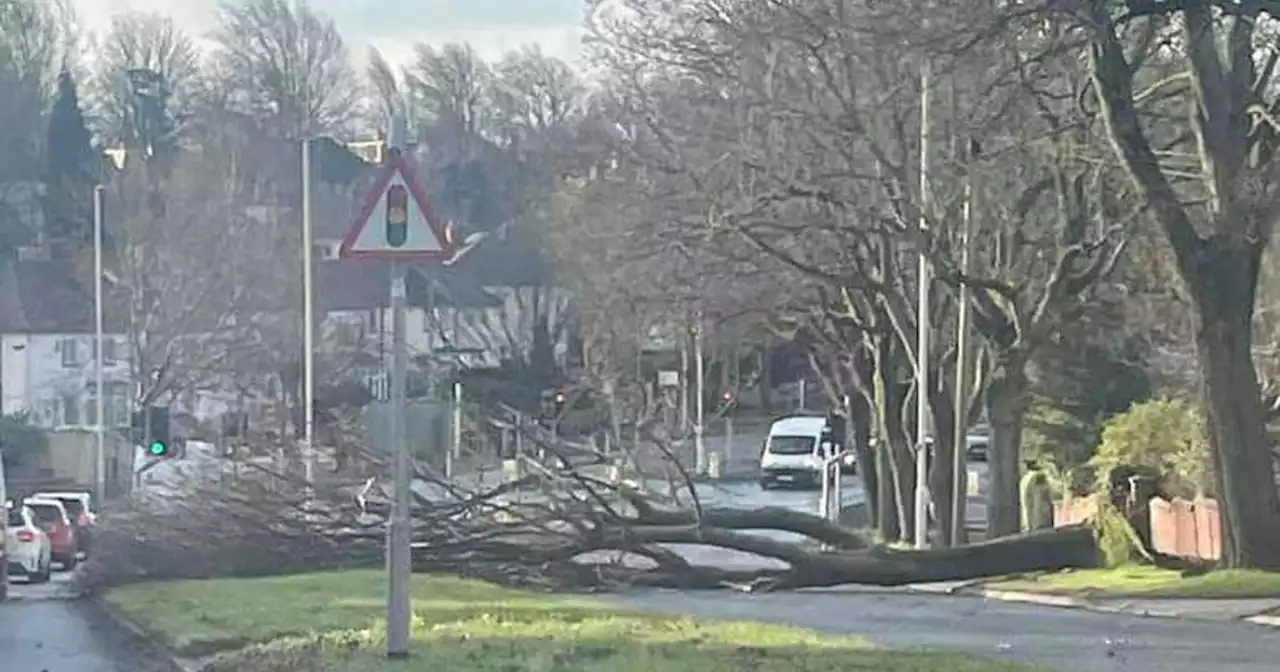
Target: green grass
[(1149, 582), (332, 622)]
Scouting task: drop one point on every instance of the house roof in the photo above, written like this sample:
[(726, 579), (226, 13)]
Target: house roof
[(48, 296)]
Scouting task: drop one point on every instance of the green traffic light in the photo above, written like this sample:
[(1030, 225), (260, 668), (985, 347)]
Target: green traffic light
[(158, 448)]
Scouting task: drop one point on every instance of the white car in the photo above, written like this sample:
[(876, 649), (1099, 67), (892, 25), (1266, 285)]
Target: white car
[(28, 548)]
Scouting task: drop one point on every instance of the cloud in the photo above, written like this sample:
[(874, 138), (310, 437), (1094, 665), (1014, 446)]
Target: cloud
[(394, 26)]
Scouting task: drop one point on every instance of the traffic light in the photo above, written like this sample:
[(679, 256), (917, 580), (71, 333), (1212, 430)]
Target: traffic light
[(397, 215), (152, 427)]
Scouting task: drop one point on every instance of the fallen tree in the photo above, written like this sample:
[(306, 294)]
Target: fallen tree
[(567, 526)]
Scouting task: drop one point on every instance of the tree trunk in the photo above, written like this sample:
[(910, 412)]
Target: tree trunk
[(862, 417), (941, 483), (1006, 405), (893, 455), (1223, 283)]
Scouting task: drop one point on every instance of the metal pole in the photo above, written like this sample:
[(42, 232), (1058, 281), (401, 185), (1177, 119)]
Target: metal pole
[(699, 448), (99, 430), (308, 326), (824, 500), (960, 445), (837, 492), (922, 326), (684, 383), (728, 440), (398, 604), (801, 401), (456, 451)]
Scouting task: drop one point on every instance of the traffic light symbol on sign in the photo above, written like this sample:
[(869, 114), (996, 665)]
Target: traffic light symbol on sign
[(397, 215)]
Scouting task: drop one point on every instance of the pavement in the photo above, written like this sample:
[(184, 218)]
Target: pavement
[(1068, 640), (1259, 611), (44, 629)]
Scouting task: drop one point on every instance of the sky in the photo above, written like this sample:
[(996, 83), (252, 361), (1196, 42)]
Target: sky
[(394, 26)]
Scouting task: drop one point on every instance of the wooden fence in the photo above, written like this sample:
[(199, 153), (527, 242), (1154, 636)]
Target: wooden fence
[(1184, 528)]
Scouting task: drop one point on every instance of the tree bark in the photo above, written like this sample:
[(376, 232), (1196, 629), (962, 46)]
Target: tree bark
[(1223, 283), (895, 476), (941, 484), (862, 416), (1006, 405)]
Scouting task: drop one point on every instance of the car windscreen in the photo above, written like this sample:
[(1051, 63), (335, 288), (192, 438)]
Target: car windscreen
[(791, 445), (73, 506), (977, 452), (47, 514)]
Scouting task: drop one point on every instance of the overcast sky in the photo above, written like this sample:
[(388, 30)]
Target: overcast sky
[(491, 26)]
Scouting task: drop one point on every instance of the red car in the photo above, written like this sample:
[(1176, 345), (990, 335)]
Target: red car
[(51, 515)]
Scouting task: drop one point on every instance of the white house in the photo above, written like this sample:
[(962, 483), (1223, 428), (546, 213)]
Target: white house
[(47, 353)]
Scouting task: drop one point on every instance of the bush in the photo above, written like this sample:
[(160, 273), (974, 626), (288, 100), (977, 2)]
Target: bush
[(1164, 436)]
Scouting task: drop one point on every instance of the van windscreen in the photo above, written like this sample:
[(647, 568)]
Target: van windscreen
[(791, 445)]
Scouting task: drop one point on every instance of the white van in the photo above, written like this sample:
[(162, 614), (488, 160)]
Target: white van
[(795, 450)]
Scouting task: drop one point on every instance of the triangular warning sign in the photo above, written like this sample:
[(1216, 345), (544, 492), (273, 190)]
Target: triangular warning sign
[(396, 220)]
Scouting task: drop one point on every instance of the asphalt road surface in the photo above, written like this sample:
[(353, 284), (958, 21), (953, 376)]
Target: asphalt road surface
[(43, 630), (1062, 639)]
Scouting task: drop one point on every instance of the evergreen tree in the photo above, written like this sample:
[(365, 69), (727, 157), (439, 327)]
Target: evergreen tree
[(72, 166)]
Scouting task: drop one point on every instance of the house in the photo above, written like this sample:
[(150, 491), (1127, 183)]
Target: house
[(47, 370), (47, 345)]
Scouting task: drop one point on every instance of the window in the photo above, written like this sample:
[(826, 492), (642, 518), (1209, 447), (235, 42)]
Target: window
[(109, 356), (91, 404), (791, 445), (117, 404), (70, 358), (70, 407)]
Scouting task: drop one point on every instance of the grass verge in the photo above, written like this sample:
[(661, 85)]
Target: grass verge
[(332, 622), (1142, 581)]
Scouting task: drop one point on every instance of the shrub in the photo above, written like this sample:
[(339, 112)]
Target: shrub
[(1164, 436)]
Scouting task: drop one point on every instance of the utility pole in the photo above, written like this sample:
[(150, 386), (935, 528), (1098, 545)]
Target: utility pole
[(398, 605), (99, 430), (924, 279), (960, 440)]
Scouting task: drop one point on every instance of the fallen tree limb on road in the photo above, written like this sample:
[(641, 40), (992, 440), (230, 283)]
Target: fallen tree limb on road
[(559, 528)]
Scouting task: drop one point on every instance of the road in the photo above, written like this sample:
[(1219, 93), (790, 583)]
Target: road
[(43, 630), (1062, 639)]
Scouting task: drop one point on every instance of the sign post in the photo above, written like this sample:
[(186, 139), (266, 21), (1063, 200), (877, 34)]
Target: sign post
[(396, 223)]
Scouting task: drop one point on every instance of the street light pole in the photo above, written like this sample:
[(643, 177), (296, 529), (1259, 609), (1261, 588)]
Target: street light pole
[(99, 430), (699, 375), (960, 445), (308, 324), (924, 279)]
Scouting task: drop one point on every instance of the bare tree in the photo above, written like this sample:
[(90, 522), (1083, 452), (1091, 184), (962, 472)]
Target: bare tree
[(142, 58), (448, 87), (198, 264), (289, 68), (1219, 220), (38, 39)]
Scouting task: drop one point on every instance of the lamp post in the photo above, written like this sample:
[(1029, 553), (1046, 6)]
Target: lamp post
[(99, 430)]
